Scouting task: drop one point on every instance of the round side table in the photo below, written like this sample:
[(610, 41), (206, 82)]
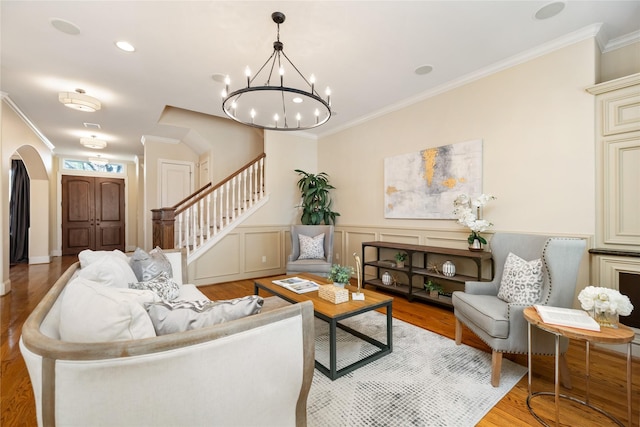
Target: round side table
[(620, 335)]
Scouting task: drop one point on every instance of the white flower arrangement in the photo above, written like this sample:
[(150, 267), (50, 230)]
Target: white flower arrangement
[(467, 210), (605, 300)]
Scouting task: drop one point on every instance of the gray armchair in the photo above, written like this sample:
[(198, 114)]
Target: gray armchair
[(501, 325), (318, 266)]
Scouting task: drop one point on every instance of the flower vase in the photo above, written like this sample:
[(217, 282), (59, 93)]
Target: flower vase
[(605, 319), (476, 245)]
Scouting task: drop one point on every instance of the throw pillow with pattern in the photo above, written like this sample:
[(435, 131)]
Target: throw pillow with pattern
[(311, 247), (162, 285), (521, 280), (146, 266)]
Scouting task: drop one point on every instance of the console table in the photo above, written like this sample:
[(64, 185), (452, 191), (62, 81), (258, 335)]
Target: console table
[(417, 269), (620, 335)]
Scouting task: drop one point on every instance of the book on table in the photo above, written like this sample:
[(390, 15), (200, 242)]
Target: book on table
[(298, 285), (570, 317)]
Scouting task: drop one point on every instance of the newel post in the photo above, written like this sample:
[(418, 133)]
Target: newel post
[(162, 220)]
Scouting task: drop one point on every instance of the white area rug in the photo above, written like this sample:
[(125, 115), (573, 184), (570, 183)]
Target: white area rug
[(426, 381)]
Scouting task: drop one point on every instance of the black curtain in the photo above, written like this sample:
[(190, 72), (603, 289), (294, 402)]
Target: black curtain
[(19, 213)]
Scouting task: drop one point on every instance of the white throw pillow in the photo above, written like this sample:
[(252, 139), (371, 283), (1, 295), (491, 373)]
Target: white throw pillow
[(109, 271), (87, 257), (146, 266), (521, 280), (91, 312), (311, 247)]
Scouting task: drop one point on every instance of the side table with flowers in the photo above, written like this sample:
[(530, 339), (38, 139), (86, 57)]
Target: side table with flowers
[(467, 211), (605, 305)]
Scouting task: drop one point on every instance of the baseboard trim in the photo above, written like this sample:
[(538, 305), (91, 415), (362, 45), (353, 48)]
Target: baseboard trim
[(40, 259), (5, 287)]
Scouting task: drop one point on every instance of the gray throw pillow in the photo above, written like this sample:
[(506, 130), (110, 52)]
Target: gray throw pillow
[(146, 266), (179, 316), (162, 285)]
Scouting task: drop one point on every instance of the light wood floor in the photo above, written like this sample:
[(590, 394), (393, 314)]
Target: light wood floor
[(608, 375)]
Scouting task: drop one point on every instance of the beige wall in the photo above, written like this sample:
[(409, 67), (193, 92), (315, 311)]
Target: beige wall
[(17, 137), (620, 62), (537, 125)]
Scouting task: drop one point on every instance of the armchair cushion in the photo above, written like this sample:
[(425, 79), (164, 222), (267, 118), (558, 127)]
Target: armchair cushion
[(489, 313), (521, 280), (311, 247)]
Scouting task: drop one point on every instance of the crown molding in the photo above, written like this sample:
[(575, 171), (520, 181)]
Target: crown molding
[(585, 33), (622, 41), (6, 98)]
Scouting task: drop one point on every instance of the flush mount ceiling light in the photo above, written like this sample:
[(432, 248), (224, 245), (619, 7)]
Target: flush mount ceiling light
[(274, 106), (79, 101), (93, 142)]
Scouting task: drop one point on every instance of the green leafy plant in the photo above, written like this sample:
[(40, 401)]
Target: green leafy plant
[(432, 286), (401, 256), (340, 273), (316, 202)]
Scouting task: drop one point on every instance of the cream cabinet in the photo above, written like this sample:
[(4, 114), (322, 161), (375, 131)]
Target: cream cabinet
[(615, 260)]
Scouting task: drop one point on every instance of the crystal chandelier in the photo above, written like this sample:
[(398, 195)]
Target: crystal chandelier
[(272, 105)]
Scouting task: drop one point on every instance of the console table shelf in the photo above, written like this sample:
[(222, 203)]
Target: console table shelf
[(416, 268)]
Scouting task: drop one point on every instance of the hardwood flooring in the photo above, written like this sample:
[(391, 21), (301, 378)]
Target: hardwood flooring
[(608, 374)]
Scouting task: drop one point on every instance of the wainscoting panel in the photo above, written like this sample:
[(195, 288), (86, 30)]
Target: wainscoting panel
[(263, 251)]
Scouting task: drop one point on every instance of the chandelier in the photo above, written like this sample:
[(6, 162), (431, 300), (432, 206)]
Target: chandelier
[(272, 105)]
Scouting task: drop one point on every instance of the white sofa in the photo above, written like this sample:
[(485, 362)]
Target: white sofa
[(254, 371)]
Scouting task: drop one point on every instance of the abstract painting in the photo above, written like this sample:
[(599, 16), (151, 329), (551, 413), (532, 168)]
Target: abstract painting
[(423, 185)]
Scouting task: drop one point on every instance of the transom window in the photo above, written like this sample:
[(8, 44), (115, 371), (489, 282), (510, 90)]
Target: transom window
[(86, 165)]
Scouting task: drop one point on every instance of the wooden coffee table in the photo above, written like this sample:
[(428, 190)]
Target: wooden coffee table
[(333, 314)]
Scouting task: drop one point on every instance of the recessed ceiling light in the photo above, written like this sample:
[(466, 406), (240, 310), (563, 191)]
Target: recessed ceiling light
[(125, 45), (423, 69), (65, 26), (549, 10), (297, 100)]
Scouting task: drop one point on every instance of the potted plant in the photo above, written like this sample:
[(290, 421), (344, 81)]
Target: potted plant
[(467, 211), (340, 274), (316, 202), (433, 288), (401, 257)]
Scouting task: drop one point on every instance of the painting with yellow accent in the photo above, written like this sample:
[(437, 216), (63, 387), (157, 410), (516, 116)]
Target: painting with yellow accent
[(423, 185)]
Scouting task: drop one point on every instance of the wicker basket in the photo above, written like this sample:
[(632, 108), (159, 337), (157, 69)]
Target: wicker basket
[(333, 293)]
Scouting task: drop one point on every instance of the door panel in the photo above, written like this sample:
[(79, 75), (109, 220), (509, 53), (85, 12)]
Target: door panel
[(77, 214), (92, 214), (176, 182)]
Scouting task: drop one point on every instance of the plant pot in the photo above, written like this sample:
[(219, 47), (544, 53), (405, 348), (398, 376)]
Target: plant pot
[(340, 285), (476, 245), (400, 264), (433, 294)]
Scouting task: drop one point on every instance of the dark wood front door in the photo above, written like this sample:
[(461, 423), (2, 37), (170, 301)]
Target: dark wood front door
[(92, 214)]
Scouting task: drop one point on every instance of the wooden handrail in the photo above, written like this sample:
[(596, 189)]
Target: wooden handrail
[(218, 185), (195, 193)]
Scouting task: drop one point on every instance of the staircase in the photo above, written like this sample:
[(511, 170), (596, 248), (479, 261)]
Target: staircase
[(202, 219)]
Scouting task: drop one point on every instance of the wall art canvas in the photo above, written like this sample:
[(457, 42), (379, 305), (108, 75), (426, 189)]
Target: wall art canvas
[(423, 185)]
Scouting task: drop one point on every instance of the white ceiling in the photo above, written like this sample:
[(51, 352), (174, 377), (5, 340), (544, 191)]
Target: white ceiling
[(366, 51)]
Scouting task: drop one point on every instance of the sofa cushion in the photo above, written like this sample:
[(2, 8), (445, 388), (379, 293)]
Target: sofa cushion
[(109, 270), (178, 316), (521, 280), (311, 247), (88, 257), (91, 312), (146, 266), (162, 285)]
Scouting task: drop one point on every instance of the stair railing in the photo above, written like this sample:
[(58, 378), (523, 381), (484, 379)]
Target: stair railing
[(207, 212)]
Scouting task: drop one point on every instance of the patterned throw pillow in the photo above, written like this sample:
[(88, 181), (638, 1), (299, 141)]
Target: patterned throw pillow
[(162, 285), (146, 266), (521, 281), (179, 316), (311, 247)]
